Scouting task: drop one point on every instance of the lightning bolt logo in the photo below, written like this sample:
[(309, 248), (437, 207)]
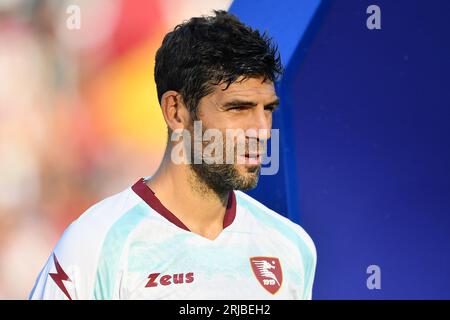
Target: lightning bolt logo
[(59, 277)]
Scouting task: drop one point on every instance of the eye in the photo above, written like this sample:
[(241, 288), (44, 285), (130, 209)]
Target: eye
[(238, 108), (270, 108)]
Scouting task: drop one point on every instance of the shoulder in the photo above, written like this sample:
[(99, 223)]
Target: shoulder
[(278, 223), (76, 256), (92, 226), (104, 227)]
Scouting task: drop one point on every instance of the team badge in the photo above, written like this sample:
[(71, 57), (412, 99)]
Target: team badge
[(268, 272)]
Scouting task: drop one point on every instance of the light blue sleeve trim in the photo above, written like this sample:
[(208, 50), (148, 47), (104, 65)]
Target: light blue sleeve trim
[(111, 252)]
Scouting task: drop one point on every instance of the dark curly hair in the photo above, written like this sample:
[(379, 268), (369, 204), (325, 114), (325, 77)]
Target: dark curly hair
[(211, 50)]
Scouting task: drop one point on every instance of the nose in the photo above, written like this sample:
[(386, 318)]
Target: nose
[(261, 123)]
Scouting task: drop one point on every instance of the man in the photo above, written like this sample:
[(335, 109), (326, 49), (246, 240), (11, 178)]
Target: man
[(187, 232)]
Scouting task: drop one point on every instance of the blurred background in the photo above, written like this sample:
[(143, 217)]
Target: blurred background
[(79, 115), (364, 128)]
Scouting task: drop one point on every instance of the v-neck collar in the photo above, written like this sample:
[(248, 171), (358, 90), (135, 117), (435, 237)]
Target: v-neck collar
[(147, 194)]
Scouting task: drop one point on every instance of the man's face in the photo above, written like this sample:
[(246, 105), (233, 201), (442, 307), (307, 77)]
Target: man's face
[(245, 106)]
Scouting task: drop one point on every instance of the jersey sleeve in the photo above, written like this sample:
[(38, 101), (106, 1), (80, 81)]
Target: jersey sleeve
[(54, 283), (309, 255), (309, 275), (72, 269), (69, 272)]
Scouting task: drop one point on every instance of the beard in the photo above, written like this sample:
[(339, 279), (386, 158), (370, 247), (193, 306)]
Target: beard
[(222, 178), (225, 177)]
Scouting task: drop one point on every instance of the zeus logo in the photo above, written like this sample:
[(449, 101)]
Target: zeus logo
[(165, 280)]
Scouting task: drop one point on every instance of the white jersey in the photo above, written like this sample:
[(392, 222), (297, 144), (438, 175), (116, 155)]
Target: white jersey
[(129, 246)]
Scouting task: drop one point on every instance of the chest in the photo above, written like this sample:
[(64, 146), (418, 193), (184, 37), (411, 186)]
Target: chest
[(234, 267)]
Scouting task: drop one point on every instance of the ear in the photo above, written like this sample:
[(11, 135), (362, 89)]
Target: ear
[(174, 110)]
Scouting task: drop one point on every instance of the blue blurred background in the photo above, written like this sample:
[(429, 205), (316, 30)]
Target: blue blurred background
[(364, 129), (365, 122)]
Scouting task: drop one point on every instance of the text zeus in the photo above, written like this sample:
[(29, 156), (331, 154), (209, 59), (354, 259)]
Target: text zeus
[(165, 280)]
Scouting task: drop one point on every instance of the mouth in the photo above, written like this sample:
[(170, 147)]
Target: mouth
[(247, 158)]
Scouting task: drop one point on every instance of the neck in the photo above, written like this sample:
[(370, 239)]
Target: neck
[(181, 191)]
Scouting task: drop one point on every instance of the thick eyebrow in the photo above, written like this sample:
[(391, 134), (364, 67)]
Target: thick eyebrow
[(243, 103), (275, 103)]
